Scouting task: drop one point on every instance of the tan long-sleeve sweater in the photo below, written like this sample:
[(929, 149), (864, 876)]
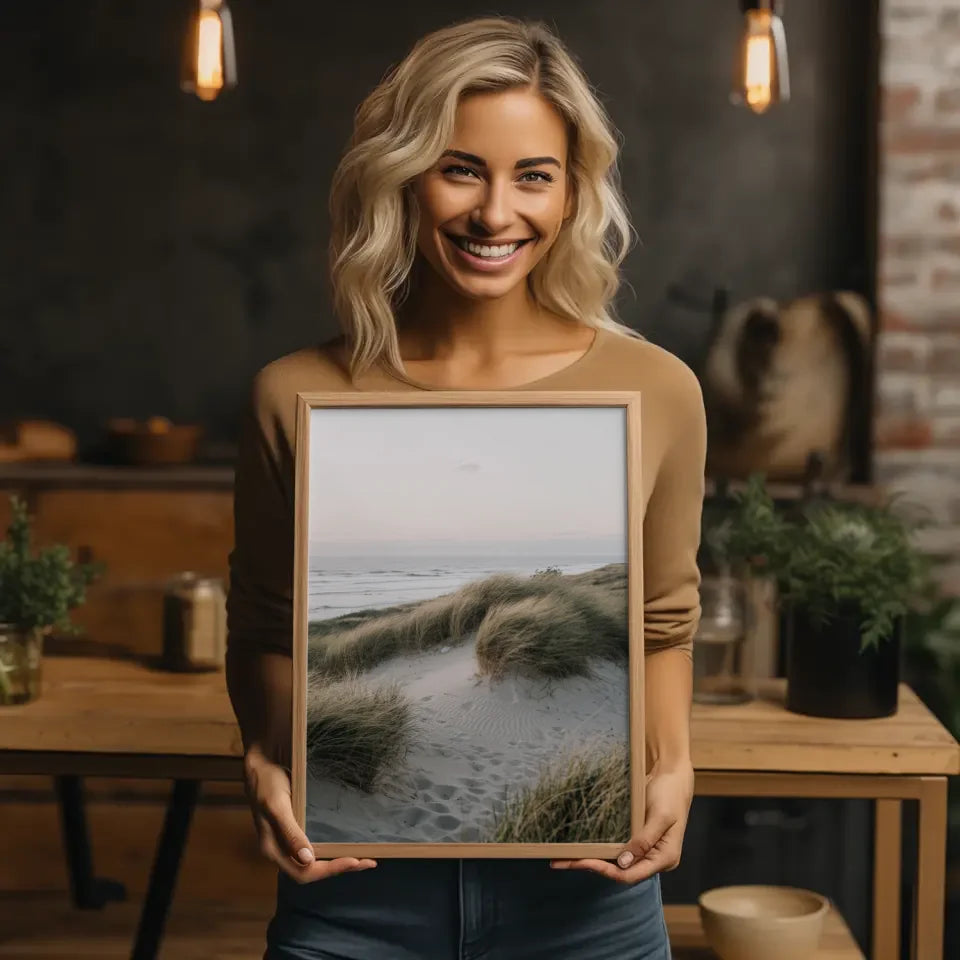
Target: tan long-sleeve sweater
[(673, 449)]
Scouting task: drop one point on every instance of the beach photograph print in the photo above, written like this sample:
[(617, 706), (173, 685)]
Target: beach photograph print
[(467, 643)]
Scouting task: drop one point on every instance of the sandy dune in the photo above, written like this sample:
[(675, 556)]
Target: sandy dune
[(473, 741)]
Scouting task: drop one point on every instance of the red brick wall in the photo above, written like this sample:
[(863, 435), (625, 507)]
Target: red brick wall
[(917, 426)]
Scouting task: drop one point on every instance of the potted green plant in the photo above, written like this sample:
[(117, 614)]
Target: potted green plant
[(37, 592), (847, 575)]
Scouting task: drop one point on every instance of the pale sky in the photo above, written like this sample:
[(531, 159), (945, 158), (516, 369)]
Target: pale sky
[(468, 473)]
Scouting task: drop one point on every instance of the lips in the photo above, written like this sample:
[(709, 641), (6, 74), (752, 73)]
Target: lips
[(461, 242), (490, 243), (481, 264)]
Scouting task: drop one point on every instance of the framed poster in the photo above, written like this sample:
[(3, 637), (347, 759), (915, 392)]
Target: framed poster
[(468, 624)]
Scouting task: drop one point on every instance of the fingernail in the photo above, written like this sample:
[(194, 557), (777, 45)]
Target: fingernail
[(305, 855), (625, 859)]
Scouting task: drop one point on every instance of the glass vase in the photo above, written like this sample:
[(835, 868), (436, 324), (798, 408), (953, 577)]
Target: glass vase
[(719, 646), (20, 660)]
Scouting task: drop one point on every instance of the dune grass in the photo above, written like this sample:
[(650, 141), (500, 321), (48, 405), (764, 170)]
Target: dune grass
[(612, 577), (554, 635), (356, 736), (584, 798), (360, 641)]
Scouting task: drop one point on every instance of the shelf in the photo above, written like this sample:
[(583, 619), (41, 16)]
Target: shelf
[(94, 476), (870, 494), (688, 943)]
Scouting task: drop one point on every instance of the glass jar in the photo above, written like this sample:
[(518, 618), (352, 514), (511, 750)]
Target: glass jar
[(194, 623), (719, 646), (20, 658)]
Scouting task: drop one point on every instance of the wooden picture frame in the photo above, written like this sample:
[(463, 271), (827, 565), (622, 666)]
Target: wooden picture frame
[(548, 449)]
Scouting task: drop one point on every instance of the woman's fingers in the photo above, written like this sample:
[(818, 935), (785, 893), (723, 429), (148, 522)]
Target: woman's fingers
[(281, 839), (662, 855), (653, 831), (278, 811), (305, 872), (642, 869)]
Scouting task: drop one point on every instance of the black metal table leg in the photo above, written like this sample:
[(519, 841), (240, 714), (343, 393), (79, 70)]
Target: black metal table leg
[(166, 863), (87, 891)]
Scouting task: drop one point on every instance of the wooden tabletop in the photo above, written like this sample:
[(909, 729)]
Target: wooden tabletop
[(97, 708), (763, 735)]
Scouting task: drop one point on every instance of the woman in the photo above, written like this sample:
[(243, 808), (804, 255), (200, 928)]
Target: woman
[(477, 234)]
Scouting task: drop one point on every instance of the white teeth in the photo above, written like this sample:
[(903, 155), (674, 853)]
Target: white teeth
[(481, 250)]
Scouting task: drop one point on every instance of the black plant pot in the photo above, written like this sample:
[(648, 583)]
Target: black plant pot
[(828, 675)]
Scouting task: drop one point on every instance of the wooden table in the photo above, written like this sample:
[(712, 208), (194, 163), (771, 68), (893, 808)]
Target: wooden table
[(759, 749), (100, 717)]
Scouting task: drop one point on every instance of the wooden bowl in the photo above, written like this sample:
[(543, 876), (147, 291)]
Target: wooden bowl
[(154, 441), (757, 922)]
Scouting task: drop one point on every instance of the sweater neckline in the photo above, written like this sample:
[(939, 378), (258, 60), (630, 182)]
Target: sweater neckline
[(600, 336)]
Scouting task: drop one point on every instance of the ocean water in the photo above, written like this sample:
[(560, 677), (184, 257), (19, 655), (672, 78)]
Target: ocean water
[(341, 585)]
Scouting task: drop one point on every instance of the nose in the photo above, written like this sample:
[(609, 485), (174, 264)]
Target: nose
[(493, 214)]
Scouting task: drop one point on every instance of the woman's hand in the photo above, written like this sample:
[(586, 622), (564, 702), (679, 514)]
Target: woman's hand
[(657, 847), (282, 841)]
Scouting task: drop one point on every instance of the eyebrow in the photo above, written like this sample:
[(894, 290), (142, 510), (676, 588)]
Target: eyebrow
[(519, 165)]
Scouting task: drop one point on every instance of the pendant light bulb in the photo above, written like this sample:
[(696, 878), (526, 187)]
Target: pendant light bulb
[(762, 75), (210, 60)]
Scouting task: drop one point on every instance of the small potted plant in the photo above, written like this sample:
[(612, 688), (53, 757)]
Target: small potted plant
[(847, 575), (37, 593)]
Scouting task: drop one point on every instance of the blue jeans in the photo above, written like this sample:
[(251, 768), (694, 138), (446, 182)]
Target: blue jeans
[(467, 910)]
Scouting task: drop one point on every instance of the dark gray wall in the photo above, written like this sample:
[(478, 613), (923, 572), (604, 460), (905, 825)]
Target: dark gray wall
[(155, 251)]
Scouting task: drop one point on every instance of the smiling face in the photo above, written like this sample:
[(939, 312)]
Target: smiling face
[(495, 201)]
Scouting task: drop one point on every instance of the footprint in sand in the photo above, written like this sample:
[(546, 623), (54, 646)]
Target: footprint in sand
[(444, 791), (415, 817), (435, 806), (447, 822)]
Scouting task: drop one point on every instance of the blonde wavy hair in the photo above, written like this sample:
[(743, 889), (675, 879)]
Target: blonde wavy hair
[(400, 131)]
